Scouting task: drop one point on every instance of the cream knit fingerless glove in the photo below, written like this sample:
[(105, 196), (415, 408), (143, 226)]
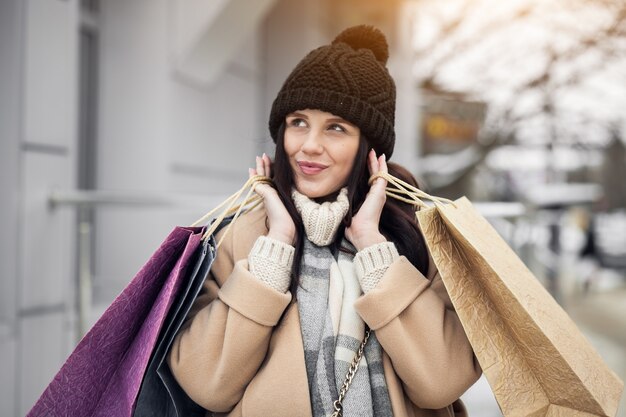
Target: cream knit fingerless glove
[(270, 261), (372, 262)]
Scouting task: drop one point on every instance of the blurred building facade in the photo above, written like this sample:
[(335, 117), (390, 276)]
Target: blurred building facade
[(167, 97), (143, 102)]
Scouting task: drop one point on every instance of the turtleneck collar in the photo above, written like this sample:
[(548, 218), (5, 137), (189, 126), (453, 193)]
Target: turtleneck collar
[(321, 221)]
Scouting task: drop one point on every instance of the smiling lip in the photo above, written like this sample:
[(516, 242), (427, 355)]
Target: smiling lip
[(311, 168)]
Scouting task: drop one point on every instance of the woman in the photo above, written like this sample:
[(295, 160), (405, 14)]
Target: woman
[(296, 285)]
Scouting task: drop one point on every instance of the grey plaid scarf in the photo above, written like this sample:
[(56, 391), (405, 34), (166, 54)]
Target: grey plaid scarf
[(332, 332)]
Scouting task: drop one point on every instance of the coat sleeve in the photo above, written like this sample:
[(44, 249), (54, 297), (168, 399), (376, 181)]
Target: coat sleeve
[(417, 326), (226, 336)]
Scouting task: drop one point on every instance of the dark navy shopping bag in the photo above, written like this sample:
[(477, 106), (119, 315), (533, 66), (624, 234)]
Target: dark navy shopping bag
[(160, 394)]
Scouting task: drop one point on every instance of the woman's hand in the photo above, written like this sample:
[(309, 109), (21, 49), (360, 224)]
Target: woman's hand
[(363, 231), (281, 226)]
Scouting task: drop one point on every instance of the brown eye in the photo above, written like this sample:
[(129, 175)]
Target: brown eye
[(337, 128), (296, 122)]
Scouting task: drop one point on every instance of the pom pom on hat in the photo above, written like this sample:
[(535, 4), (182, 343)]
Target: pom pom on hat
[(367, 37)]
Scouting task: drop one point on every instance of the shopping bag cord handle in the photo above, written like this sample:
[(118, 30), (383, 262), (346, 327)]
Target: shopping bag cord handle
[(403, 191), (399, 189), (230, 206)]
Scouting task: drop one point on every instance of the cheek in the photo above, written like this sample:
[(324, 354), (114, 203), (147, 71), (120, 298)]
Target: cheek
[(348, 154), (290, 145)]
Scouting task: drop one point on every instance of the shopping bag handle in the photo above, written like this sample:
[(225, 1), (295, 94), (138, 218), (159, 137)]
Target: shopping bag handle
[(403, 191), (230, 206), (399, 189)]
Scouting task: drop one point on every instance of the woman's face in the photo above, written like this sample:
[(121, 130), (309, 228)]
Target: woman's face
[(321, 148)]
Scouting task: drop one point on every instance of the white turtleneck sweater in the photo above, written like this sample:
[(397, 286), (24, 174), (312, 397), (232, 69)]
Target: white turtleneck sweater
[(271, 260)]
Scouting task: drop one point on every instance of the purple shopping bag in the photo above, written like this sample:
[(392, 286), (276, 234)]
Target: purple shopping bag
[(103, 374)]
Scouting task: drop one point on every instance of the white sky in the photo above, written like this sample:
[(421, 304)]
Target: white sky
[(490, 55)]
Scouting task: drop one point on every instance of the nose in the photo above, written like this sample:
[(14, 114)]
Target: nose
[(313, 143)]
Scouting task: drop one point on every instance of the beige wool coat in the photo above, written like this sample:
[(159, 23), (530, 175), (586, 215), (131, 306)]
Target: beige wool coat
[(240, 353)]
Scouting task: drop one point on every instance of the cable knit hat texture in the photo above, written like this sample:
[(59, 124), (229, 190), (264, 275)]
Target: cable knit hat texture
[(347, 78)]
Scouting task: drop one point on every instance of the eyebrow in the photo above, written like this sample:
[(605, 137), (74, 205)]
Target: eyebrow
[(339, 119), (342, 121), (296, 114)]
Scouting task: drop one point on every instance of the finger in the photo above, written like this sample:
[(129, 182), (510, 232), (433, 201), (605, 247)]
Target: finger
[(252, 173), (382, 167), (258, 187), (376, 168), (382, 163), (267, 164), (371, 160), (259, 166)]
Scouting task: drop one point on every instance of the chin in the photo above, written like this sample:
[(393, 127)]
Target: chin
[(315, 191), (311, 193)]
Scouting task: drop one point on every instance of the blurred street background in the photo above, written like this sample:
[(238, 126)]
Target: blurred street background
[(120, 119)]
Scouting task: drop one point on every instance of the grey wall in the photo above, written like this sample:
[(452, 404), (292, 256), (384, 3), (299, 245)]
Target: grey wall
[(157, 131), (291, 30), (160, 132), (37, 131), (10, 39)]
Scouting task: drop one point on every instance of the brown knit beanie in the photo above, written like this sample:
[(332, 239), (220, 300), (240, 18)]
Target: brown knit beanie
[(347, 78)]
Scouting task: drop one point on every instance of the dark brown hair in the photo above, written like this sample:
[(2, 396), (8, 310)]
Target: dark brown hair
[(397, 222)]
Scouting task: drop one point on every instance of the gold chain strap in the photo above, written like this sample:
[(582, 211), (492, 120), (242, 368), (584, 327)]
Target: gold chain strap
[(354, 366)]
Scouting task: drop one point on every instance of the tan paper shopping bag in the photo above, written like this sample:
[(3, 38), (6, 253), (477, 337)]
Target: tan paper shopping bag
[(535, 359)]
